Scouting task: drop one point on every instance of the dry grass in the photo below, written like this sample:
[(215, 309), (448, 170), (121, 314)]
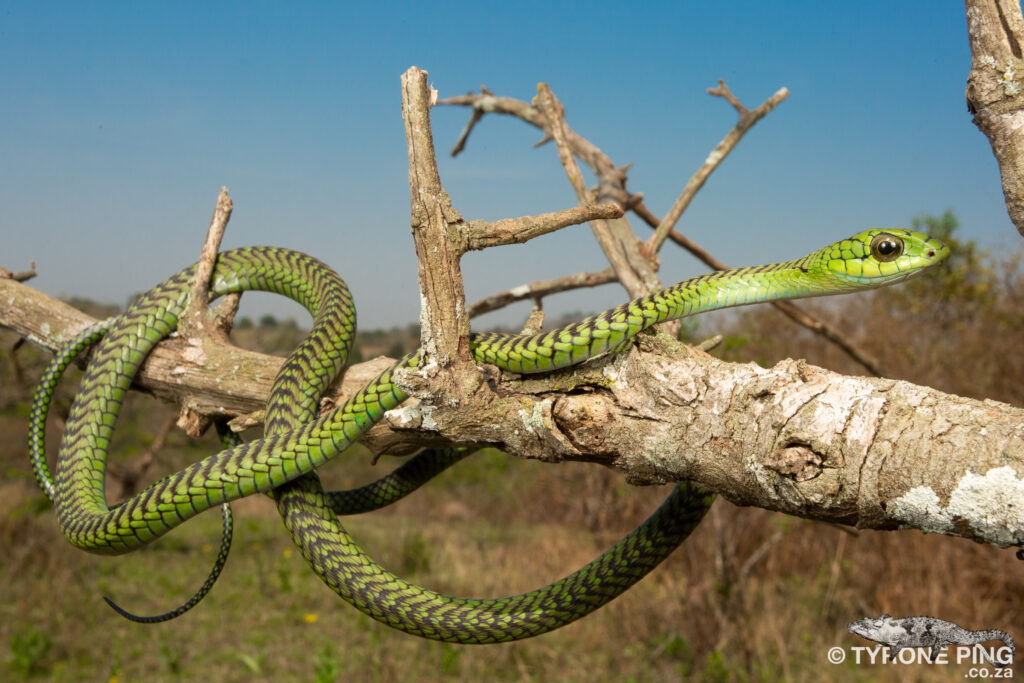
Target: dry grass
[(752, 595)]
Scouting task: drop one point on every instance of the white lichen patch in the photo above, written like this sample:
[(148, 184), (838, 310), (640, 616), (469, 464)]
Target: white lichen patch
[(1013, 121), (920, 508), (1010, 84), (427, 413), (403, 415), (991, 505), (533, 419)]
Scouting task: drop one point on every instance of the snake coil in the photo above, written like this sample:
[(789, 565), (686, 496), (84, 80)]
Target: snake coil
[(296, 442)]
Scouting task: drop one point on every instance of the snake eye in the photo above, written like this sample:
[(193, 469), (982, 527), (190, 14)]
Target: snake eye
[(885, 247)]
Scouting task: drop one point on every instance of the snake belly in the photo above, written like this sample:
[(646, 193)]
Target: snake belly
[(286, 458)]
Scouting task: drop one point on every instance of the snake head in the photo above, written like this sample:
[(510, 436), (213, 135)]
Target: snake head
[(881, 256)]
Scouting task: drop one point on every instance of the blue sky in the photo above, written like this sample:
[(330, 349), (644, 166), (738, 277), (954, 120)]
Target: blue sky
[(121, 121)]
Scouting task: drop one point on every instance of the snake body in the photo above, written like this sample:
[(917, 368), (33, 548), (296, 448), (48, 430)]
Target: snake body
[(283, 462), (385, 491)]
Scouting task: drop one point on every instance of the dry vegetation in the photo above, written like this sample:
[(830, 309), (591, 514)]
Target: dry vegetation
[(752, 595)]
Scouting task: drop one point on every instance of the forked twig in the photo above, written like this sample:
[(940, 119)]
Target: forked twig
[(747, 118)]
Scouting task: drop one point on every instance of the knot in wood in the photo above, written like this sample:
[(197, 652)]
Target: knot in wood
[(795, 461)]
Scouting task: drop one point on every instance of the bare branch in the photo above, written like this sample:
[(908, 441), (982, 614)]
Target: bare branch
[(198, 310), (474, 117), (20, 276), (995, 29), (460, 144), (747, 119), (488, 103), (539, 289), (482, 234), (837, 337), (709, 343), (723, 91), (534, 323), (554, 114), (613, 247), (610, 187), (445, 326), (224, 314), (198, 325)]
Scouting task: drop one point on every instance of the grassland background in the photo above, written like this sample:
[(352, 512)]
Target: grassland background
[(751, 596)]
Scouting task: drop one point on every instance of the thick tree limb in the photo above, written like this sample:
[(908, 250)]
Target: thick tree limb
[(443, 319), (995, 29), (215, 381), (873, 453)]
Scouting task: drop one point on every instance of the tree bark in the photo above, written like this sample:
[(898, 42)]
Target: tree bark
[(995, 29)]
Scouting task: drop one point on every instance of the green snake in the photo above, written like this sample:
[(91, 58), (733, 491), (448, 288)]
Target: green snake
[(389, 489), (283, 463)]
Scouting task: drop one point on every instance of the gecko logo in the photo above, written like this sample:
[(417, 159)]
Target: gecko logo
[(913, 632)]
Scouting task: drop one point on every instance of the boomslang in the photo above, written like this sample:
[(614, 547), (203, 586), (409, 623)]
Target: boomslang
[(283, 463)]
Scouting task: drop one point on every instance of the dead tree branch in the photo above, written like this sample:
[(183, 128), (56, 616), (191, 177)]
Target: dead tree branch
[(611, 180), (874, 453), (747, 118), (20, 276), (617, 242), (539, 289), (995, 29), (478, 235), (203, 330)]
